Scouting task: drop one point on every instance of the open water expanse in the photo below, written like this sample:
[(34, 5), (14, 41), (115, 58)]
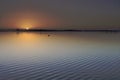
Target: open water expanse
[(59, 56)]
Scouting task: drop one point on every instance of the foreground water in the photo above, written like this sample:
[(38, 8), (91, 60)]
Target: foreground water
[(60, 56)]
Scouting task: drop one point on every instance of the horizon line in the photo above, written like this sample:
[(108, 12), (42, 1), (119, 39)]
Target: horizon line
[(59, 30)]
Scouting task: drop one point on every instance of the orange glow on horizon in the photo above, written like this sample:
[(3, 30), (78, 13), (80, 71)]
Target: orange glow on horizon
[(29, 20), (26, 24), (27, 28)]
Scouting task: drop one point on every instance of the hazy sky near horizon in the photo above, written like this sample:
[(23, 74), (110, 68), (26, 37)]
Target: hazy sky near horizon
[(60, 13)]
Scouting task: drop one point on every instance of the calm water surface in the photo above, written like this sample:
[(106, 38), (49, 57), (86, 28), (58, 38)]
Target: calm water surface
[(60, 56)]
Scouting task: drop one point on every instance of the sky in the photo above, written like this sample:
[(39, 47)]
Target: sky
[(60, 14)]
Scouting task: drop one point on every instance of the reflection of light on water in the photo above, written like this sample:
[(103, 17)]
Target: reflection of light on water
[(29, 46), (27, 37), (69, 55), (22, 45)]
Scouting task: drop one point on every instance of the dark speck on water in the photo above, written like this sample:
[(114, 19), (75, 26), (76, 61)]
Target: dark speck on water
[(48, 35)]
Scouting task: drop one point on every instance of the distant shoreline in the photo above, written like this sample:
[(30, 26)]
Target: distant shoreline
[(55, 30)]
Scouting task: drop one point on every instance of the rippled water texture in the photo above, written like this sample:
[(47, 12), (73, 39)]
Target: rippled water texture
[(60, 56)]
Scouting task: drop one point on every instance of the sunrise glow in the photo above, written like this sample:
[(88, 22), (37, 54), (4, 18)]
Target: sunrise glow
[(26, 26)]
